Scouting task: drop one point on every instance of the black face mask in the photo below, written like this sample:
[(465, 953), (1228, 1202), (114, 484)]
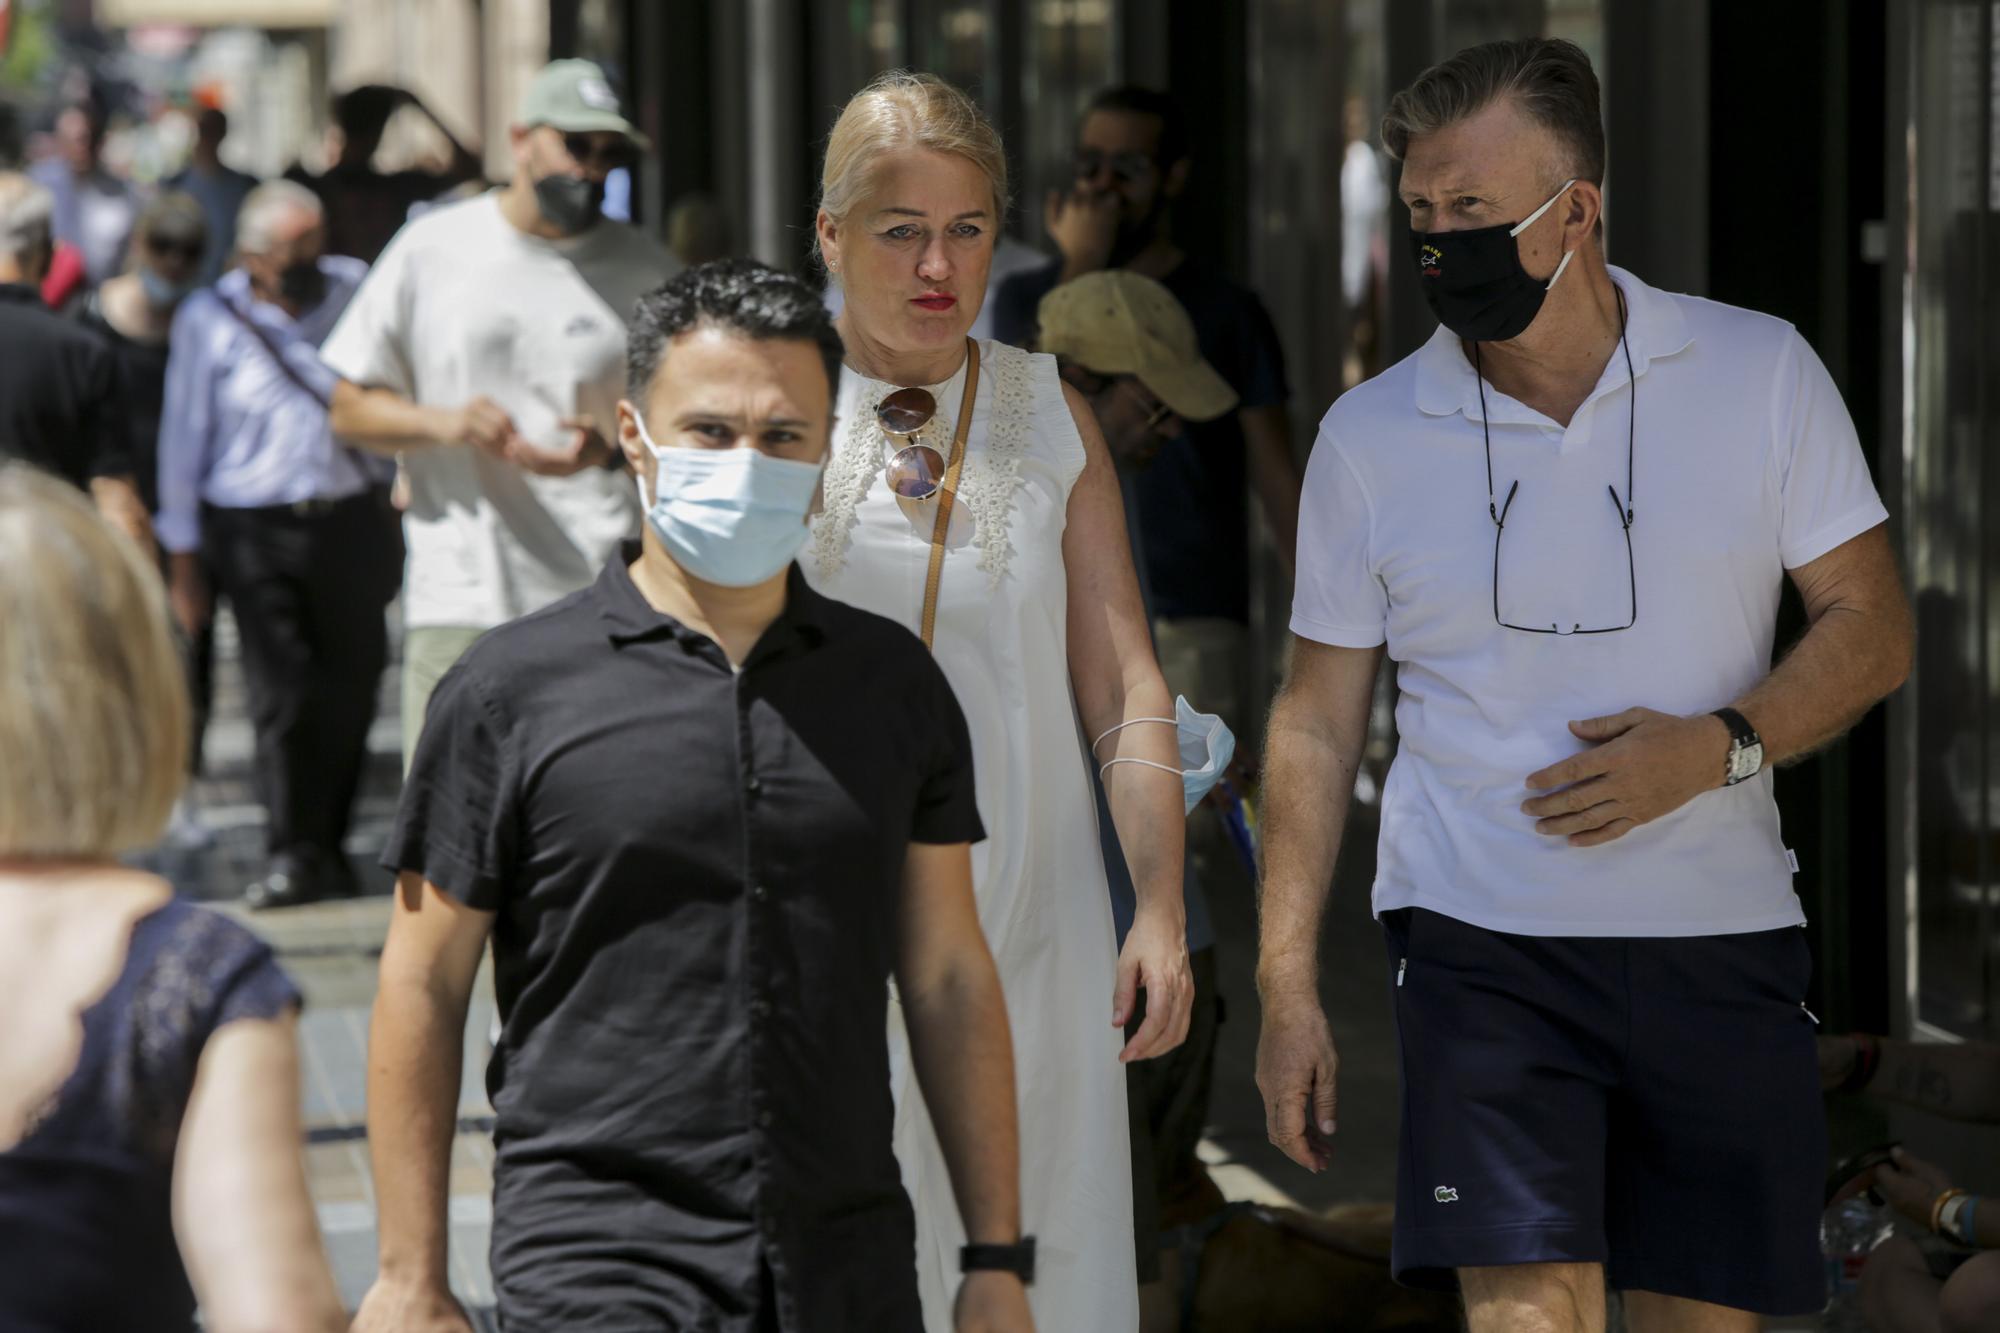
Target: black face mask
[(302, 284), (570, 203), (1474, 282)]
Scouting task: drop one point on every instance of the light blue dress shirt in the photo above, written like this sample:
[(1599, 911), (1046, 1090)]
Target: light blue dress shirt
[(236, 431)]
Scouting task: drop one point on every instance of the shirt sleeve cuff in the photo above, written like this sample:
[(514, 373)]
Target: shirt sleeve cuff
[(1338, 636), (1835, 534), (458, 875), (178, 534), (945, 828)]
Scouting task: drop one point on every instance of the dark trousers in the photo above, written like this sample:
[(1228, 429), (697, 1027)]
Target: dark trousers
[(308, 585)]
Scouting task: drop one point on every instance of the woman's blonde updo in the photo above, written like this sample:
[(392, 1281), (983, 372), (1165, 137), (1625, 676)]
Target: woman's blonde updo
[(902, 110)]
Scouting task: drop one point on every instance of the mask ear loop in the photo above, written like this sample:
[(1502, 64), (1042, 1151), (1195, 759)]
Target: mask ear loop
[(1169, 721), (1535, 216)]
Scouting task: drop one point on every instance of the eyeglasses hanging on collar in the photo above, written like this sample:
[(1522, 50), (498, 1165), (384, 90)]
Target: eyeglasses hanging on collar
[(1622, 510)]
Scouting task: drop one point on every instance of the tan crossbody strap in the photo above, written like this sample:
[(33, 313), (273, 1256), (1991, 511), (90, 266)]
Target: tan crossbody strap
[(949, 490)]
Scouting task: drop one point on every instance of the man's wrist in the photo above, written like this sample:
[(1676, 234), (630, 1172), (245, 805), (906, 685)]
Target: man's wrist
[(1287, 974)]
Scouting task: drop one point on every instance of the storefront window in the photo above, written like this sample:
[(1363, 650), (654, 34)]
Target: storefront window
[(1951, 420)]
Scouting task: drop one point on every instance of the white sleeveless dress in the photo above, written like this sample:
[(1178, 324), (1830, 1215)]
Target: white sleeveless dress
[(1002, 640)]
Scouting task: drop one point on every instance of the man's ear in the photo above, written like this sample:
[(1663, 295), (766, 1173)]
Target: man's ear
[(636, 454), (1177, 178)]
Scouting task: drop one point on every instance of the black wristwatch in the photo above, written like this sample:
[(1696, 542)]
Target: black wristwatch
[(1016, 1259), (1746, 749)]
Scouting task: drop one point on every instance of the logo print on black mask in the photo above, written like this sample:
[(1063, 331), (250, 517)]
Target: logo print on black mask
[(1431, 260)]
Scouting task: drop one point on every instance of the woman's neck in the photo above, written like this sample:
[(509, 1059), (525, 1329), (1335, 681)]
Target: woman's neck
[(902, 369), (127, 310)]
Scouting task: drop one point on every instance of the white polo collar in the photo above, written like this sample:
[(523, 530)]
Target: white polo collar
[(1655, 326)]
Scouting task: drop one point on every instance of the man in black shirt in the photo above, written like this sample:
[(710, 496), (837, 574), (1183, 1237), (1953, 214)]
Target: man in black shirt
[(59, 398), (1131, 164), (705, 814)]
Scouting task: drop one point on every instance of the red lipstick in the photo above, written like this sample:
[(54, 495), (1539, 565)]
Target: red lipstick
[(935, 300)]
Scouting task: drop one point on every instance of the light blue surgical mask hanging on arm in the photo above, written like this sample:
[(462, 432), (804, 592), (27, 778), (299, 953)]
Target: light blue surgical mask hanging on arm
[(731, 517), (1206, 746)]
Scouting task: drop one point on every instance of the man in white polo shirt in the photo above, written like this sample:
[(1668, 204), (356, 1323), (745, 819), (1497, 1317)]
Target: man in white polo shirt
[(487, 346), (1569, 518)]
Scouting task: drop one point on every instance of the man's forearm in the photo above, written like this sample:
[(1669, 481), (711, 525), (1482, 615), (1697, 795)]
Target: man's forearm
[(1849, 661), (1309, 770), (118, 502), (416, 1041), (381, 420), (964, 1059)]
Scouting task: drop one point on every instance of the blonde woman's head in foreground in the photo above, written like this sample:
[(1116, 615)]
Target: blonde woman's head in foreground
[(93, 708), (912, 196)]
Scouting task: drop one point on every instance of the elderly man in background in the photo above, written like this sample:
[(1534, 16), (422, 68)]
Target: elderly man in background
[(59, 394), (292, 525)]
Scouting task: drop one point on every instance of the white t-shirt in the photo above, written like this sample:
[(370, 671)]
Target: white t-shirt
[(1746, 465), (462, 303)]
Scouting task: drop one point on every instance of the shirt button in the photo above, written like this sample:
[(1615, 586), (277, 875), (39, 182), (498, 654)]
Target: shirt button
[(764, 1119), (752, 785), (759, 893), (760, 1008)]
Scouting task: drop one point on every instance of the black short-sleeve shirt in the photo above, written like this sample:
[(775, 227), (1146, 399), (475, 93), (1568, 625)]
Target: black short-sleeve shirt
[(696, 874), (1193, 499), (60, 394)]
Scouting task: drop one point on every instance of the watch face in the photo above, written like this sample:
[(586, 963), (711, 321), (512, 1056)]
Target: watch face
[(1745, 761)]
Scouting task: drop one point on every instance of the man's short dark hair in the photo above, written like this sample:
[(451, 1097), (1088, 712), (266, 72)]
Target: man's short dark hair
[(1551, 79), (1147, 102), (739, 296)]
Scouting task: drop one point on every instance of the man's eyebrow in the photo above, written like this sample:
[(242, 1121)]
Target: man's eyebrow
[(693, 414)]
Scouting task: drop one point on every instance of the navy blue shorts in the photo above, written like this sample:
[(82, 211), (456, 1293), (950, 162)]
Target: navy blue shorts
[(1652, 1105)]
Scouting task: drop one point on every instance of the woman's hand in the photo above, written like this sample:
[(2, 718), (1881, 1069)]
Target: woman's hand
[(1911, 1186), (1155, 957)]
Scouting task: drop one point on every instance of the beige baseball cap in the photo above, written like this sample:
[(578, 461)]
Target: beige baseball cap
[(1116, 322), (574, 96)]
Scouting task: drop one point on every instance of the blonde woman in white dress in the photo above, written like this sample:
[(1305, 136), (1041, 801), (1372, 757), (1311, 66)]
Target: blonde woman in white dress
[(1039, 628)]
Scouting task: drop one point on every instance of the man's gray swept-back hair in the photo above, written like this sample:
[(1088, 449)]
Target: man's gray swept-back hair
[(27, 215), (262, 208), (1550, 79)]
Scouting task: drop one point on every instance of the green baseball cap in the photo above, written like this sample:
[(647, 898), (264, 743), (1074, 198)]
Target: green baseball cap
[(574, 96)]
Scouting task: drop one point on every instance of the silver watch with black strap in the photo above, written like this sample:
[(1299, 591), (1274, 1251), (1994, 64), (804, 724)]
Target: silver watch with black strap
[(1746, 748)]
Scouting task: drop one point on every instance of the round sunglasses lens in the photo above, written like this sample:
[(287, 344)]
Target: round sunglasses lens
[(916, 472), (906, 411)]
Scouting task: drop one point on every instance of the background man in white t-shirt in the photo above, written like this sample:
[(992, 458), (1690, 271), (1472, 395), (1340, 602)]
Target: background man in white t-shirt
[(487, 347), (1569, 518)]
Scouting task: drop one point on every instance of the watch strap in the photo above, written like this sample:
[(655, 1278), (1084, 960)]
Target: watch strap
[(1739, 726), (1018, 1259)]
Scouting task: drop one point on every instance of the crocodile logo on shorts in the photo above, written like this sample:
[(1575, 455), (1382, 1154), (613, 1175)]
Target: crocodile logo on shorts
[(1445, 1194)]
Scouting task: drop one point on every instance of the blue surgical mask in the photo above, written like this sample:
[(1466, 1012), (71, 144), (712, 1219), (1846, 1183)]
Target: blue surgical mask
[(732, 517), (160, 293), (1206, 746)]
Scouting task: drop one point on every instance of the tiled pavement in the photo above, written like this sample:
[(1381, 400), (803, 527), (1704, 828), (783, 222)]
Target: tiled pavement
[(331, 949)]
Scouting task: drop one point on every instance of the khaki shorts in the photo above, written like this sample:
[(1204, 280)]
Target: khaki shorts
[(428, 652)]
